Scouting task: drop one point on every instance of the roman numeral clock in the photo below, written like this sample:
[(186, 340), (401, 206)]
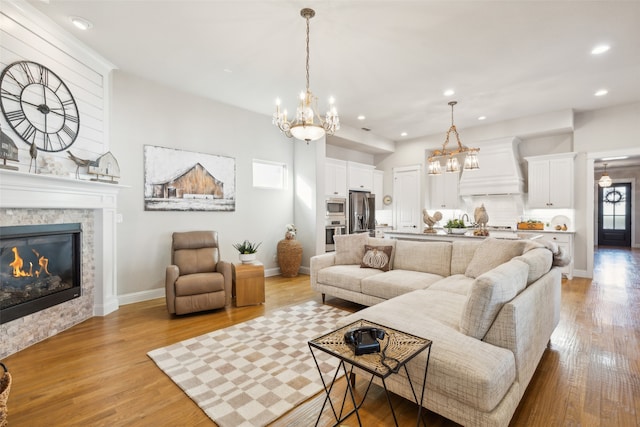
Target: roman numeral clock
[(39, 106)]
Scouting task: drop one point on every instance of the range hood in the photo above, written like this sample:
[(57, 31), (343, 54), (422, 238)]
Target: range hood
[(499, 172)]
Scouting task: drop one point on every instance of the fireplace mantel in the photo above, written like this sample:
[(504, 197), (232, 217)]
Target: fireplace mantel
[(25, 190)]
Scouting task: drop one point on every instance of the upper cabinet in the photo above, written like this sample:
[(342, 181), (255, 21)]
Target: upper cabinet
[(551, 181), (443, 191), (335, 178), (360, 176)]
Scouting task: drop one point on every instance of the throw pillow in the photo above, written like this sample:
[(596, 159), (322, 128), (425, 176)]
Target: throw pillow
[(350, 248), (376, 257), (491, 253), (489, 293)]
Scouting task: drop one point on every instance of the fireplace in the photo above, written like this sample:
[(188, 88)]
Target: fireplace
[(39, 268)]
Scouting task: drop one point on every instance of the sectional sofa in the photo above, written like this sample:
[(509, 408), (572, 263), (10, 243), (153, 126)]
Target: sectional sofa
[(489, 306)]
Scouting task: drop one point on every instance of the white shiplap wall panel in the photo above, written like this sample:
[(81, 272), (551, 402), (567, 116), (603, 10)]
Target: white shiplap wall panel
[(25, 34)]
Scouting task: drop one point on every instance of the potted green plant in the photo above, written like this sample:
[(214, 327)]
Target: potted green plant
[(247, 251)]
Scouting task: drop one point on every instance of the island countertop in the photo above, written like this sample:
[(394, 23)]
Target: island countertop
[(442, 235)]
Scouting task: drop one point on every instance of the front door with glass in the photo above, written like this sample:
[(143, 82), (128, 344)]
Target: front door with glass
[(614, 215)]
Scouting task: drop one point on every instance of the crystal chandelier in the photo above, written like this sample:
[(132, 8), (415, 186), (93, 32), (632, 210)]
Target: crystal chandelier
[(303, 126), (605, 180), (452, 165)]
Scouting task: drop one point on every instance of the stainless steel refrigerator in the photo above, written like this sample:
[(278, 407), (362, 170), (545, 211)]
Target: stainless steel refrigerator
[(362, 212)]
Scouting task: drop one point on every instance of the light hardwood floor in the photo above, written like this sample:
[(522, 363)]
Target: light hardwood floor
[(97, 373)]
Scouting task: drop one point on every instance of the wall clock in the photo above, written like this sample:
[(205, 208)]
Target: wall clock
[(39, 106)]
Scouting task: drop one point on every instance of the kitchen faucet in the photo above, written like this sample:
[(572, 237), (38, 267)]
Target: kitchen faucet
[(462, 218)]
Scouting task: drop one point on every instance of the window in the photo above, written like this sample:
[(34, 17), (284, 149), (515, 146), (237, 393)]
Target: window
[(269, 174)]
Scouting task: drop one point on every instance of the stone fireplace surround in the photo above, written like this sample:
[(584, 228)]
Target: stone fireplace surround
[(45, 199)]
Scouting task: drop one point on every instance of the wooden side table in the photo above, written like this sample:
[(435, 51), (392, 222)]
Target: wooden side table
[(248, 283)]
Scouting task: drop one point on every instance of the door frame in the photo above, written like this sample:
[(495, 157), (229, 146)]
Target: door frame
[(590, 183)]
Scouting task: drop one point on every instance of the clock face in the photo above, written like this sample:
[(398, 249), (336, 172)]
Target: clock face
[(39, 106)]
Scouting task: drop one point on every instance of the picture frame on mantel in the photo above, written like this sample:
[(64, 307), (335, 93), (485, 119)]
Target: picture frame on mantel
[(180, 180)]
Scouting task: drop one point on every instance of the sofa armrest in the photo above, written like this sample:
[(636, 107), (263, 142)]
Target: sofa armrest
[(318, 262), (224, 268), (525, 324), (171, 276)]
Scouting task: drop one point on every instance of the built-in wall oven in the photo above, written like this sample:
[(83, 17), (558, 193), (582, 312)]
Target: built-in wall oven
[(334, 226)]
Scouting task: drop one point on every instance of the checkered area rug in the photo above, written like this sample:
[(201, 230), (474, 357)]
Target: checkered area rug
[(252, 373)]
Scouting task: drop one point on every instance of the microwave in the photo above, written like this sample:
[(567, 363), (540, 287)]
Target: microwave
[(336, 207)]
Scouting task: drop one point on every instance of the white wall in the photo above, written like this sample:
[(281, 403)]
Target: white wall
[(145, 113)]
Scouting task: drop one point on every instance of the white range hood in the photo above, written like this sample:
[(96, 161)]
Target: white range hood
[(499, 172)]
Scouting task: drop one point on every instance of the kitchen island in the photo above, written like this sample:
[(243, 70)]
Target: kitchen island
[(563, 239)]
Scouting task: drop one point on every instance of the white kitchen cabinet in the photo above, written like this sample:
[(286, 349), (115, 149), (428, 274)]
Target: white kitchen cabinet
[(378, 187), (551, 181), (443, 191), (335, 178), (360, 176)]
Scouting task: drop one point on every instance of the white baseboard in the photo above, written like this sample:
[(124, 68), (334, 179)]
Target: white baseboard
[(276, 271), (140, 296)]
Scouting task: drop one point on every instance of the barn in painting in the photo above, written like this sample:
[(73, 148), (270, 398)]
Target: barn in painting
[(195, 182)]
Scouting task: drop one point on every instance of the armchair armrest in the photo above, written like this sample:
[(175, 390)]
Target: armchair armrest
[(170, 290), (224, 268)]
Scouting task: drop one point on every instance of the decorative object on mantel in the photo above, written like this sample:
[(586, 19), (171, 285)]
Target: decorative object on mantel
[(33, 152), (48, 165), (453, 165), (247, 251), (105, 166), (8, 151), (430, 220), (605, 179), (289, 253), (303, 127), (80, 163)]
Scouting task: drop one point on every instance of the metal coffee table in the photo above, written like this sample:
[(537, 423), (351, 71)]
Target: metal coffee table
[(397, 348)]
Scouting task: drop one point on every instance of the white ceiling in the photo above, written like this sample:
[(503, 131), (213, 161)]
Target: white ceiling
[(388, 60)]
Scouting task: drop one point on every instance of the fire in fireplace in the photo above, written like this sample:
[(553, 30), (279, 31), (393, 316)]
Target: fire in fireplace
[(39, 267)]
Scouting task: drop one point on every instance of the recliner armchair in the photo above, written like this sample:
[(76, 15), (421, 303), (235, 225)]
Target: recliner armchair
[(197, 279)]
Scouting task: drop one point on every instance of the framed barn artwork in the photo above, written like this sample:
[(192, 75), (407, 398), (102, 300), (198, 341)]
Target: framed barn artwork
[(179, 180)]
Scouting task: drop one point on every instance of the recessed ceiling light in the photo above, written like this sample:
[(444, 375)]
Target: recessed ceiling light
[(602, 48), (361, 117), (81, 23), (601, 92), (482, 118), (403, 134), (614, 158), (449, 92)]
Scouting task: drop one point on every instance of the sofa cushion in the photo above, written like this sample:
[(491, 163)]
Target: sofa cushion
[(463, 368), (461, 254), (350, 248), (539, 261), (346, 276), (491, 253), (456, 284), (488, 294), (428, 257), (397, 282), (376, 257)]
